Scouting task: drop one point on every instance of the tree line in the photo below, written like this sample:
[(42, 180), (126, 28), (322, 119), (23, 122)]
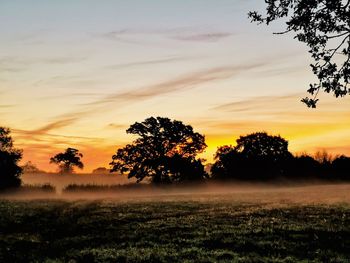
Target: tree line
[(166, 151)]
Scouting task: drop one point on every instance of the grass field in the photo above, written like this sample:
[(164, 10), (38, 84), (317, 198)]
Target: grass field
[(172, 230)]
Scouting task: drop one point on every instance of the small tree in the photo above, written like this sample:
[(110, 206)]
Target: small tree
[(10, 171), (30, 168), (164, 151), (101, 170), (68, 160)]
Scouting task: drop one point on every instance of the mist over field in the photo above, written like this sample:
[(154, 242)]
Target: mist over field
[(120, 188), (61, 181), (227, 223)]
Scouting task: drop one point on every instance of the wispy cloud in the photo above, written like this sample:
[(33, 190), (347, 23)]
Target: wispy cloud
[(61, 122), (39, 137), (16, 64), (266, 103), (6, 106), (203, 37), (149, 62), (26, 61), (181, 83), (54, 125), (185, 82), (197, 34), (117, 126), (286, 109), (62, 60)]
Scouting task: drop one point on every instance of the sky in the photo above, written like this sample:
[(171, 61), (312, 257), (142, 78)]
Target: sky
[(79, 73)]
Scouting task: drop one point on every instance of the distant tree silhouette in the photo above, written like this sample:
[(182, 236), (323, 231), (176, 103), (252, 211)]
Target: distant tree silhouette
[(165, 151), (341, 167), (30, 168), (10, 171), (68, 160), (325, 28), (325, 160), (323, 157), (256, 156), (101, 170)]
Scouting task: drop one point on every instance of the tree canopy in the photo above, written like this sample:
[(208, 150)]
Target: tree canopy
[(324, 26), (10, 171), (341, 167), (68, 160), (255, 156), (165, 151), (261, 144)]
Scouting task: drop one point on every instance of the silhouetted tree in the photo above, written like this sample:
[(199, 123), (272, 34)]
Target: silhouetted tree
[(164, 151), (229, 164), (341, 167), (324, 25), (260, 144), (256, 156), (185, 168), (10, 171), (30, 168), (101, 170), (323, 157), (325, 160), (304, 167), (68, 160)]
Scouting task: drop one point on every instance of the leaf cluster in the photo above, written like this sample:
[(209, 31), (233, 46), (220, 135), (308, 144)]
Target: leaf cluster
[(324, 26)]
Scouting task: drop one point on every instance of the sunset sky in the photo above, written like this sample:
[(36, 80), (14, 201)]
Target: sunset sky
[(78, 73)]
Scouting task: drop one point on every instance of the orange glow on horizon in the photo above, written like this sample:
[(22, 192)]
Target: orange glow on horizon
[(300, 140)]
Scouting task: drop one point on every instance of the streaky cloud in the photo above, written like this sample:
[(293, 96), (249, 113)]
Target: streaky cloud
[(286, 109), (16, 64), (203, 37), (185, 82), (55, 125), (34, 135), (117, 126), (265, 103), (6, 106), (149, 62), (182, 83), (197, 34)]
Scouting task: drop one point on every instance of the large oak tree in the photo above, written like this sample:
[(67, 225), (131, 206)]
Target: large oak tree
[(165, 151)]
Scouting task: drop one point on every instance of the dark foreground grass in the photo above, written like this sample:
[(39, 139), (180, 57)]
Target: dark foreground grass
[(172, 231)]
